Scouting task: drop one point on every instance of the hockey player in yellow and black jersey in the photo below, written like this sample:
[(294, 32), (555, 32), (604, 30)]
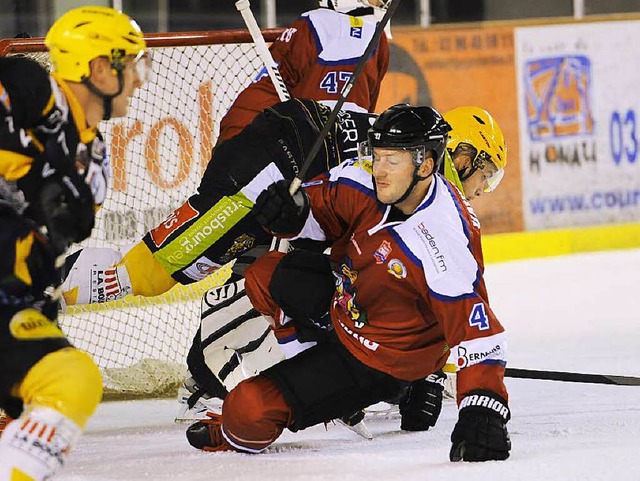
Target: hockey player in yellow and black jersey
[(53, 176)]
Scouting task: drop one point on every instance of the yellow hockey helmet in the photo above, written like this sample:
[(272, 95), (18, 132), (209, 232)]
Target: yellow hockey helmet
[(85, 33), (476, 128)]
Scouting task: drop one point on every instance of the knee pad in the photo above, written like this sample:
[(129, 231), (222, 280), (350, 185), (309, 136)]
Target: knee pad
[(67, 381), (254, 414), (235, 341), (245, 404)]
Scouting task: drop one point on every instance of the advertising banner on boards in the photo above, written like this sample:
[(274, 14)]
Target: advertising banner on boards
[(579, 125), (453, 67)]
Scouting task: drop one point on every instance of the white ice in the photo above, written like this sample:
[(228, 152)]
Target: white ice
[(577, 313)]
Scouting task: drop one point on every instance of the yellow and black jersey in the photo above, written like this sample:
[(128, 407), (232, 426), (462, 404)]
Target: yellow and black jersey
[(41, 121)]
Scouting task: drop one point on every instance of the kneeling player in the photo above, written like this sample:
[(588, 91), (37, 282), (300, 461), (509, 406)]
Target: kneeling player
[(394, 312), (220, 358)]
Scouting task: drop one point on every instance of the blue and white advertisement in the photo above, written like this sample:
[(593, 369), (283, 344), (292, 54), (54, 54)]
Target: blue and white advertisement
[(579, 123)]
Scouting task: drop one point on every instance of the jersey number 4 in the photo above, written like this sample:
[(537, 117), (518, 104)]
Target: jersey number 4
[(478, 317), (334, 81)]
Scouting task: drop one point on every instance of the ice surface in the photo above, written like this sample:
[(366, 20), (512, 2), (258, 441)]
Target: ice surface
[(577, 313)]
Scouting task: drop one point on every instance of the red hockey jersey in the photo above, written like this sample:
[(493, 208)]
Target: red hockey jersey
[(409, 289), (316, 56)]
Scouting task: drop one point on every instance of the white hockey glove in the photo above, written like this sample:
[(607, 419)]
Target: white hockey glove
[(93, 164), (37, 444)]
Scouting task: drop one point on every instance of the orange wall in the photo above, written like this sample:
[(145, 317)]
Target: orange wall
[(451, 67)]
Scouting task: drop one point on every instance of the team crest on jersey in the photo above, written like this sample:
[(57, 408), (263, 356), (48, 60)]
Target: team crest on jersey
[(355, 29), (397, 269), (347, 294), (201, 268), (382, 252), (240, 244)]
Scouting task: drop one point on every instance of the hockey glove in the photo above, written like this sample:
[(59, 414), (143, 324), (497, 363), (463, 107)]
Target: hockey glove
[(68, 212), (481, 432), (93, 165), (422, 404), (59, 193), (279, 212)]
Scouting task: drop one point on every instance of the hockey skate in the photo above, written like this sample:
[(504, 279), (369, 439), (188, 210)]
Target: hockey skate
[(206, 434), (194, 403), (355, 422)]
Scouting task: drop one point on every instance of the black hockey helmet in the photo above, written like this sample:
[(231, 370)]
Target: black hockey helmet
[(404, 126)]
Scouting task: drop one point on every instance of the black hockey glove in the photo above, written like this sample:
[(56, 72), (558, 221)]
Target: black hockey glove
[(421, 405), (302, 285), (278, 211), (59, 196), (481, 432), (67, 208)]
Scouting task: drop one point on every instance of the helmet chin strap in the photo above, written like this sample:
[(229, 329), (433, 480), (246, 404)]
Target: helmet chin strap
[(467, 171), (107, 100)]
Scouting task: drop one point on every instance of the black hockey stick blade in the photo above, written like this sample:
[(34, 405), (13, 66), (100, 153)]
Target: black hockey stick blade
[(572, 377)]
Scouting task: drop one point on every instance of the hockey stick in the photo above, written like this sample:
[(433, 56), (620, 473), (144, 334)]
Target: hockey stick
[(572, 377), (244, 7), (297, 182)]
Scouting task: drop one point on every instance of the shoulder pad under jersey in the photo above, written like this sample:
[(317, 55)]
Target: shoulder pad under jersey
[(27, 85), (340, 38)]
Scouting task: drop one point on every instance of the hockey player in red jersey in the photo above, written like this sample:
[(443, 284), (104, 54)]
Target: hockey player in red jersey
[(408, 262), (53, 176), (316, 56), (474, 162)]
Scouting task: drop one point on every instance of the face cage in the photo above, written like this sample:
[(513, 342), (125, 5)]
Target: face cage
[(141, 63), (481, 161), (382, 4), (418, 152), (379, 4)]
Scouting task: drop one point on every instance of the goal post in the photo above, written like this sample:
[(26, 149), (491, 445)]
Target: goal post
[(158, 154)]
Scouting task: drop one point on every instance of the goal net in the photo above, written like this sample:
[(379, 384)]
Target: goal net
[(158, 154)]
